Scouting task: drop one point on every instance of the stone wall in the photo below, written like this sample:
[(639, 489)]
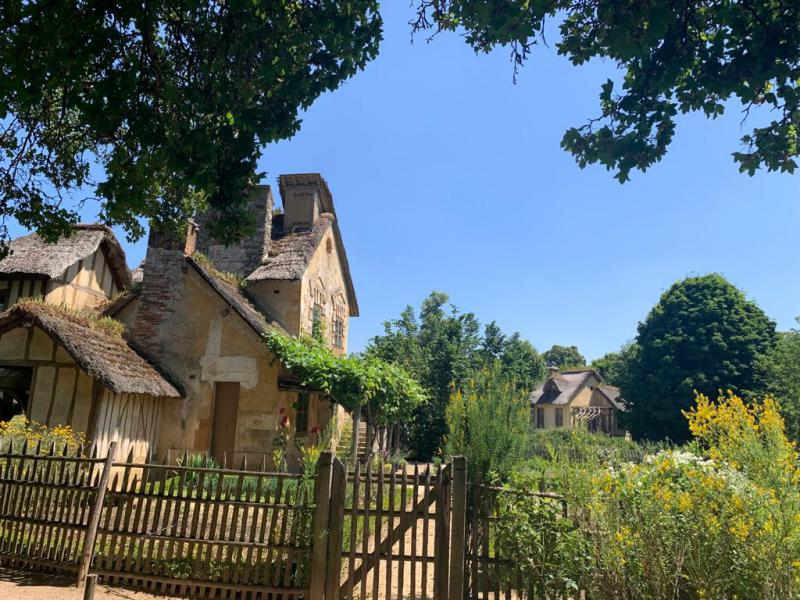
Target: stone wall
[(244, 257)]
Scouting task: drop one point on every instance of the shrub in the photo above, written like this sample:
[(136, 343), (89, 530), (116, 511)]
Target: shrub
[(20, 431), (488, 424)]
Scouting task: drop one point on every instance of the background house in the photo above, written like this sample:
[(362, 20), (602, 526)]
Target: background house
[(568, 398)]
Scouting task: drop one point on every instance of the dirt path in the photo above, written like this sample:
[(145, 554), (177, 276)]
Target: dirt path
[(22, 585)]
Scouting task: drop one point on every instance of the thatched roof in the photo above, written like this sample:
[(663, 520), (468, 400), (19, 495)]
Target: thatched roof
[(290, 253), (296, 249), (612, 393), (260, 322), (32, 255), (562, 388), (104, 356)]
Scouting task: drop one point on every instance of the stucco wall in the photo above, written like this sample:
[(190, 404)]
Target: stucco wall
[(86, 283), (208, 343), (324, 271)]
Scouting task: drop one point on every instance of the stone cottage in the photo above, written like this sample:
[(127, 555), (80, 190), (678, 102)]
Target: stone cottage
[(568, 398), (198, 310)]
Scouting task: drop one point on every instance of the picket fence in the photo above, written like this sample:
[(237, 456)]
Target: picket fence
[(382, 532)]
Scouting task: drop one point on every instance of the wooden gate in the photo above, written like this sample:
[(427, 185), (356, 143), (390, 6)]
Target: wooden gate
[(390, 532)]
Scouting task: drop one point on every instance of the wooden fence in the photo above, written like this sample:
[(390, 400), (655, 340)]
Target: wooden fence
[(382, 532)]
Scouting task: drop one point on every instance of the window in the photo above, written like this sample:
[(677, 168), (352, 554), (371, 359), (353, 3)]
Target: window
[(338, 326), (317, 315), (540, 418), (301, 413), (3, 299), (559, 417)]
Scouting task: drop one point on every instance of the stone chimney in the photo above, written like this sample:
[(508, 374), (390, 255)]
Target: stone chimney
[(552, 371), (246, 256), (302, 200), (162, 287)]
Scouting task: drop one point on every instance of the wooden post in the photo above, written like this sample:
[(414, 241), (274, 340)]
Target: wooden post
[(319, 527), (88, 588), (441, 540), (458, 528), (338, 490), (94, 516)]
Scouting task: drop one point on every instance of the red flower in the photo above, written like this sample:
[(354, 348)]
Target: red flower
[(282, 411), (284, 421), (315, 430)]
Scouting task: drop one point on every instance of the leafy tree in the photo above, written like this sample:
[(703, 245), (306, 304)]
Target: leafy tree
[(520, 361), (438, 349), (564, 357), (702, 336), (676, 57), (613, 366), (783, 379), (172, 100)]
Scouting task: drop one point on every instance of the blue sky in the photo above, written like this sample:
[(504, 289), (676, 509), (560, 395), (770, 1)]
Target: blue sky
[(447, 176)]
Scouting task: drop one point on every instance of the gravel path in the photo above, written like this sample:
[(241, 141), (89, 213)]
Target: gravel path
[(22, 585)]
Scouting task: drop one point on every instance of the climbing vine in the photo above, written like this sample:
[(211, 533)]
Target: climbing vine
[(388, 392)]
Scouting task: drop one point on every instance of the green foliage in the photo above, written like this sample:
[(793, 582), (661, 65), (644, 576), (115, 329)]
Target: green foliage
[(783, 378), (443, 349), (173, 101), (487, 423), (543, 549), (20, 432), (388, 392), (676, 57), (703, 335), (613, 366), (564, 357)]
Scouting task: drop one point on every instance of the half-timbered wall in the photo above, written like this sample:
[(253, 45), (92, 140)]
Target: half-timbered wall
[(63, 394), (87, 282), (131, 420), (12, 290)]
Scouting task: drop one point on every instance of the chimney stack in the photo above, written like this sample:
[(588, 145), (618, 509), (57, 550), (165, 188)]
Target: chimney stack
[(246, 256), (552, 370), (302, 200), (162, 287)]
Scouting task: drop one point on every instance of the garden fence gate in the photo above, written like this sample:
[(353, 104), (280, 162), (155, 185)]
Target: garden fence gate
[(386, 532)]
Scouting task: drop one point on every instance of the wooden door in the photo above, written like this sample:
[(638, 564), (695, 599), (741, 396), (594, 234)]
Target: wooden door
[(223, 433)]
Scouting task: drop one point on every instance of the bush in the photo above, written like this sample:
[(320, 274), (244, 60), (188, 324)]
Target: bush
[(21, 431), (718, 518), (488, 424)]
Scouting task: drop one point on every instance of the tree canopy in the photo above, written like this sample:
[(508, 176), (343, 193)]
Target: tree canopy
[(613, 366), (674, 57), (702, 336), (172, 100), (783, 375), (389, 393), (564, 357), (443, 348)]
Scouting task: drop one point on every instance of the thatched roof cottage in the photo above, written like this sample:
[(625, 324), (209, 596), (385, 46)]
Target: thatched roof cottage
[(186, 368)]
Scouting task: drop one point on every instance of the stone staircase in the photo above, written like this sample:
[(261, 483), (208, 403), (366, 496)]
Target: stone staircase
[(346, 439)]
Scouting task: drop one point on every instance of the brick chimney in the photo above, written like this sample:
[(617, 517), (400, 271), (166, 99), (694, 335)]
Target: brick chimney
[(162, 287), (246, 256)]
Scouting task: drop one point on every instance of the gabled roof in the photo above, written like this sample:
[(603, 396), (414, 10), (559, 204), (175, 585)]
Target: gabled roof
[(31, 255), (612, 393), (326, 198), (563, 387), (104, 356), (236, 299)]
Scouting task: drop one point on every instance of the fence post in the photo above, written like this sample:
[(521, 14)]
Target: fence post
[(338, 490), (441, 541), (458, 528), (94, 516), (319, 527)]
